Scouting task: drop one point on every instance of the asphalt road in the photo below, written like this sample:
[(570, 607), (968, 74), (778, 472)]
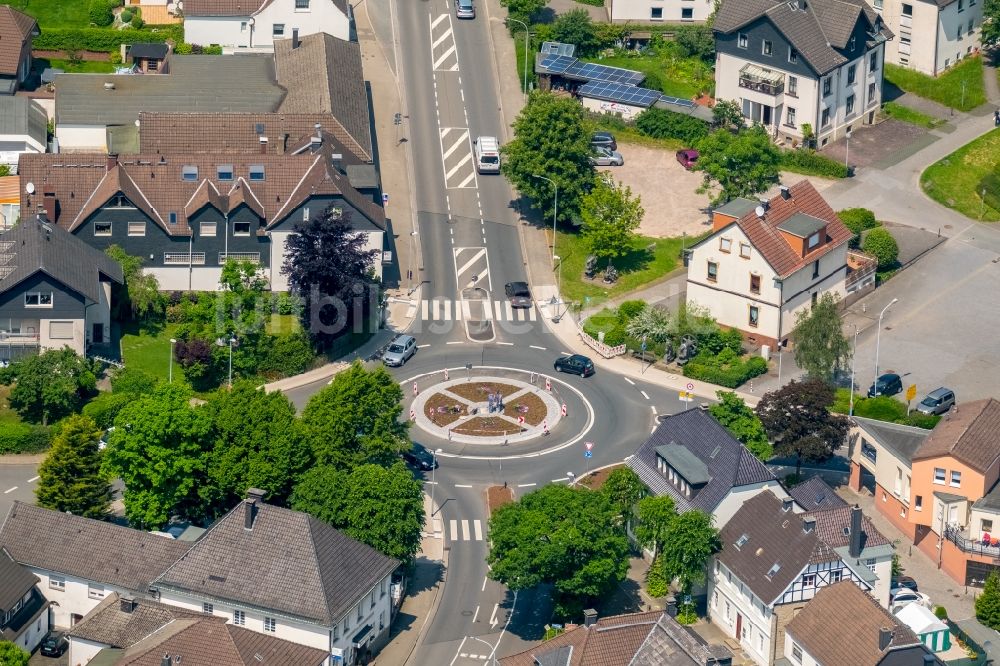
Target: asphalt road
[(17, 482)]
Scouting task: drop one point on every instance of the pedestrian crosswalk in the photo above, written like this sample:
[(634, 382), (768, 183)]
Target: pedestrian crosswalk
[(465, 530), (458, 310)]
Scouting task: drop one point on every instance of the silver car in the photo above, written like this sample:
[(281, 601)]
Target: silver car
[(400, 351), (606, 157), (937, 401)]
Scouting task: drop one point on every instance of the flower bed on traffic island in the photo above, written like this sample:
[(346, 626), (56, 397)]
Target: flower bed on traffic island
[(443, 410), (487, 426), (480, 391), (528, 405)]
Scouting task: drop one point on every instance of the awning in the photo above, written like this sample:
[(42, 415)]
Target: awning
[(760, 74), (362, 636)]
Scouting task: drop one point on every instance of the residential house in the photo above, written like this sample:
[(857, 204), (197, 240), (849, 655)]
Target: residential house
[(843, 625), (124, 631), (931, 35), (799, 62), (258, 24), (774, 560), (700, 465), (653, 11), (23, 129), (931, 631), (79, 561), (24, 617), (816, 495), (17, 30), (284, 573), (55, 290), (147, 57), (187, 214), (642, 639), (763, 264)]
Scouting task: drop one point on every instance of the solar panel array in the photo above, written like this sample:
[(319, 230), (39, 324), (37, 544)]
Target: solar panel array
[(592, 71), (678, 101), (617, 92), (557, 64)]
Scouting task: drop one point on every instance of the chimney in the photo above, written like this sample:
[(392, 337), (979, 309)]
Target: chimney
[(49, 203), (671, 608), (295, 38), (126, 604), (930, 659), (254, 497), (589, 617), (855, 546), (263, 145), (884, 638), (765, 204), (786, 504), (166, 660), (111, 162), (808, 525), (786, 194)]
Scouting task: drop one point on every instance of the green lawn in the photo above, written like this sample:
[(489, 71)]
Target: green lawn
[(650, 259), (674, 75), (912, 116), (961, 87), (7, 415), (957, 180), (82, 67), (283, 324), (148, 351), (55, 13)]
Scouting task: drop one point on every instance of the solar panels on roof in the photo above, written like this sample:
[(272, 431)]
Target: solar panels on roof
[(617, 92), (678, 101), (557, 64), (591, 71)]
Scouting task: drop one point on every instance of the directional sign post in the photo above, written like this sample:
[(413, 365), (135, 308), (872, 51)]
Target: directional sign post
[(911, 393), (588, 454)]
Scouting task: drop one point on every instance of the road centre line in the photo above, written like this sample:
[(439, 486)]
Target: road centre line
[(10, 490), (458, 651), (558, 480), (431, 483), (629, 381), (485, 578), (475, 616), (526, 485), (565, 353), (455, 342), (462, 485), (506, 344), (653, 407), (422, 346), (33, 479), (537, 347), (644, 395)]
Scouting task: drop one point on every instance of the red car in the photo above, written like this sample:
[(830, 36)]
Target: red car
[(687, 158)]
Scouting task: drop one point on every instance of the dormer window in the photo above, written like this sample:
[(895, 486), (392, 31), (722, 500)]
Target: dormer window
[(256, 172), (189, 173), (814, 240), (742, 541), (225, 171)]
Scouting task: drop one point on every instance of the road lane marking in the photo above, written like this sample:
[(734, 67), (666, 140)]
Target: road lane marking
[(478, 528), (558, 480), (460, 142), (453, 524), (437, 42), (10, 490), (537, 347), (465, 160), (471, 177), (565, 353), (531, 314), (508, 310), (653, 407), (431, 483), (506, 344), (644, 395), (493, 615), (436, 308), (445, 56), (455, 342), (446, 310), (33, 479), (629, 381), (526, 485), (466, 310), (476, 257), (499, 309), (458, 651), (422, 346), (475, 616), (485, 578), (462, 485), (434, 22), (423, 309), (465, 530)]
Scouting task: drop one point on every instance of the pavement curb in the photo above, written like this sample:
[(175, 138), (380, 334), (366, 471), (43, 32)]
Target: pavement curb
[(436, 601), (22, 458)]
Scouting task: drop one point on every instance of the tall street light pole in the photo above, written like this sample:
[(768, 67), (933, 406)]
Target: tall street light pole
[(409, 262), (170, 371), (878, 335), (434, 464), (555, 216), (527, 37), (854, 358)]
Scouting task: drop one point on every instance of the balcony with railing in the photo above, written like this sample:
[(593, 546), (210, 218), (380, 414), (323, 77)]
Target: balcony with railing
[(239, 256), (759, 79), (987, 545)]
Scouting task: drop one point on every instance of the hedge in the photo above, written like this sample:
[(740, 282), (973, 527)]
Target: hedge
[(24, 438), (663, 124), (858, 220), (882, 408), (105, 407), (103, 39), (880, 243), (724, 369), (811, 163)]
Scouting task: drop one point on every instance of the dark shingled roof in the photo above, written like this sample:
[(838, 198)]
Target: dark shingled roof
[(729, 463), (35, 246), (830, 526), (841, 624), (816, 495), (155, 50), (968, 434), (902, 440), (93, 550), (775, 537), (15, 581), (15, 29), (289, 562), (109, 625)]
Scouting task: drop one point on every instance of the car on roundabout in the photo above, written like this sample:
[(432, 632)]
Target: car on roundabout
[(576, 364), (400, 351)]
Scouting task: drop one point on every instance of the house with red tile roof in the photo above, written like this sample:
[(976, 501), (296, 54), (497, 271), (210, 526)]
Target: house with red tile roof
[(767, 261), (17, 29), (256, 24)]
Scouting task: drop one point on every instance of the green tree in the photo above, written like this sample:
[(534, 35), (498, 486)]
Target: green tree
[(11, 654), (657, 583), (741, 422), (551, 139), (576, 27), (258, 444), (739, 165), (990, 29), (355, 419), (696, 41), (988, 602), (104, 408), (820, 346), (857, 220), (611, 216), (523, 10), (382, 507), (141, 291), (70, 477), (727, 115), (160, 449), (624, 489), (690, 541), (655, 515), (880, 243), (50, 385), (243, 277), (798, 420), (652, 323), (563, 536), (133, 380)]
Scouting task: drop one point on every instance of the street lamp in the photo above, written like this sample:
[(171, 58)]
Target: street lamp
[(221, 342), (555, 215), (493, 648), (434, 464), (854, 358), (847, 152), (524, 81), (170, 372), (409, 269), (878, 335)]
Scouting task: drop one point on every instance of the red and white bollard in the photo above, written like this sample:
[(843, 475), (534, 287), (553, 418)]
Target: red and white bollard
[(545, 427), (520, 420), (563, 410), (548, 384), (415, 389), (446, 374), (413, 415)]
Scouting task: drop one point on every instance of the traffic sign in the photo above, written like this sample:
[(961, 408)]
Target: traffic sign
[(911, 392), (589, 445), (562, 410), (385, 199), (685, 396), (588, 454), (690, 386)]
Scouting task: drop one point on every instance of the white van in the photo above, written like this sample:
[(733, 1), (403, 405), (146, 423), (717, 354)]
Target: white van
[(487, 154)]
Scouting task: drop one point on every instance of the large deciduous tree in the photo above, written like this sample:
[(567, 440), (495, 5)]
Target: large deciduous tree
[(522, 10), (741, 422), (798, 420), (690, 541), (820, 346), (551, 139), (355, 420), (576, 27), (11, 654), (611, 216), (70, 478), (990, 29), (50, 385), (160, 449), (141, 291), (328, 265), (382, 507), (566, 537), (654, 516), (739, 165), (988, 603), (624, 488)]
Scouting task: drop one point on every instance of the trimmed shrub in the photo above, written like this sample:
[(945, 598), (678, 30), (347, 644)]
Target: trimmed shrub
[(285, 303), (941, 612), (811, 163), (105, 407), (101, 12), (616, 336), (137, 22), (724, 369), (287, 354), (24, 438), (104, 40), (663, 124), (630, 309), (132, 380), (719, 339), (657, 584), (858, 220), (127, 15), (182, 48), (880, 243)]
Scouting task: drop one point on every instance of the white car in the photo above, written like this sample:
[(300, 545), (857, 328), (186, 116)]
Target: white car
[(901, 596)]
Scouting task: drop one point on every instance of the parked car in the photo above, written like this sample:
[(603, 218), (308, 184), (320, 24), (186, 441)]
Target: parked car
[(576, 364), (400, 351), (604, 140), (687, 157), (606, 157), (464, 9), (938, 401), (54, 644), (887, 384), (420, 459), (518, 294), (904, 582), (901, 597)]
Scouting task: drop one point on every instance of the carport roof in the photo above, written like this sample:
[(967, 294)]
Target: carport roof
[(737, 207), (902, 440)]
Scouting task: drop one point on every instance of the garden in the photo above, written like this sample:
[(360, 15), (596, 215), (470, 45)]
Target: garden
[(961, 87), (881, 408), (872, 238), (968, 180)]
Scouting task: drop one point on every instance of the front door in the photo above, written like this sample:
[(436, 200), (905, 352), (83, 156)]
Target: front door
[(739, 626), (765, 114), (98, 337)]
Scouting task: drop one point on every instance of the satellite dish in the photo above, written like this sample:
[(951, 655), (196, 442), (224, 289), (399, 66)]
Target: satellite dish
[(760, 211), (251, 20), (30, 188)]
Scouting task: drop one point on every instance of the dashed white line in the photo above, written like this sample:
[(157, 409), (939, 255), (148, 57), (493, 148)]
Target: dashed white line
[(485, 578), (462, 93), (653, 407), (629, 381), (10, 490), (475, 615), (644, 395), (506, 344), (526, 485), (652, 430), (558, 480), (422, 346), (565, 353), (458, 651), (455, 342), (431, 483), (462, 485), (537, 347), (33, 479)]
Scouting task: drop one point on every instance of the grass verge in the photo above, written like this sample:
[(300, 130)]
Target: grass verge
[(961, 87), (148, 349), (82, 67), (956, 180), (55, 13), (7, 415), (912, 116)]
